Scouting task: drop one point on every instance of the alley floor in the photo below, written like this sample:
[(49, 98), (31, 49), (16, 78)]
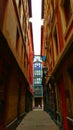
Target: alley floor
[(37, 120)]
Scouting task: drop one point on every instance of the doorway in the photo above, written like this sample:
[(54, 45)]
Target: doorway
[(38, 102)]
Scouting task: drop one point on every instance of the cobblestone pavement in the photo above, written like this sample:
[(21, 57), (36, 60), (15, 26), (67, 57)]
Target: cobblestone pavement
[(37, 120)]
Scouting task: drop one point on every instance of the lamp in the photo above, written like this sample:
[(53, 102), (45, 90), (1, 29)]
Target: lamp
[(45, 70), (46, 74)]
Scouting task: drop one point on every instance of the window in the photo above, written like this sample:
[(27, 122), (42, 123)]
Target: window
[(22, 50), (37, 80), (37, 73), (71, 2), (17, 2), (21, 19), (35, 65), (19, 7), (56, 41), (17, 40), (67, 10)]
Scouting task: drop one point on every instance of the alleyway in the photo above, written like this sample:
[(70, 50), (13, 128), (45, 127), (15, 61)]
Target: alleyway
[(36, 64), (37, 120)]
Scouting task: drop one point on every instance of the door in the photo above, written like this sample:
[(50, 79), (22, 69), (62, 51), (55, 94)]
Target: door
[(63, 104)]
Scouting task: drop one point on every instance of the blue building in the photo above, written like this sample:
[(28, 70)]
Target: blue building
[(37, 76)]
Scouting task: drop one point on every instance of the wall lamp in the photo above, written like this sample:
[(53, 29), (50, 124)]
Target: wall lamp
[(45, 73)]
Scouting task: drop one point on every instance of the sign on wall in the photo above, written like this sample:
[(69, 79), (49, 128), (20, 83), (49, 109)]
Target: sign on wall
[(38, 91)]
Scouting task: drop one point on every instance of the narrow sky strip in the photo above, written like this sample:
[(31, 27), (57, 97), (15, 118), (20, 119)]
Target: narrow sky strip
[(36, 25)]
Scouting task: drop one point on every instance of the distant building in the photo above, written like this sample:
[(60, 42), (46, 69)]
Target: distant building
[(37, 83)]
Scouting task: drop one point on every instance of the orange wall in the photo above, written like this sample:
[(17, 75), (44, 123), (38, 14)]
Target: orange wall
[(10, 26), (2, 10)]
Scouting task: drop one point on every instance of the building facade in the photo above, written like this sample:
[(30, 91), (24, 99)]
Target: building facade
[(58, 46), (14, 82)]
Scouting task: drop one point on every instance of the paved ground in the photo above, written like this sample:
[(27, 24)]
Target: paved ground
[(37, 120)]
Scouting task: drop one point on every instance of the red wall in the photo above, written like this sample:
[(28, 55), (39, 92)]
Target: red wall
[(63, 103), (30, 57)]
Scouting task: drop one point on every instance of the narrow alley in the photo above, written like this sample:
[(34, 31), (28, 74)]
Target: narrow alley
[(37, 120), (36, 64)]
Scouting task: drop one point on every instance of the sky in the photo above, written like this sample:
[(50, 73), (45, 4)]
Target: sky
[(36, 25)]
